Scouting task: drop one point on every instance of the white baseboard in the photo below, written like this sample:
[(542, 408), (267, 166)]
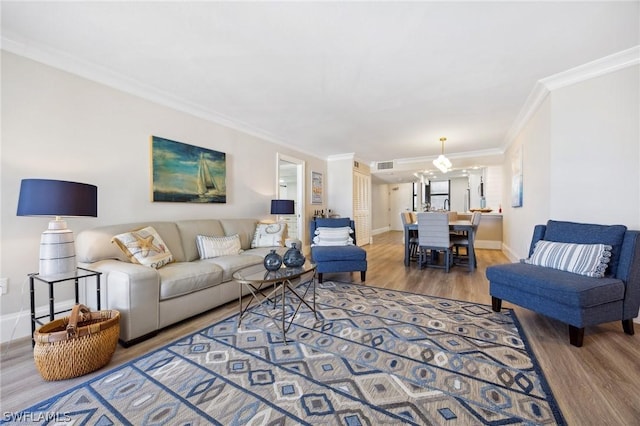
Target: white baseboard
[(510, 254), (380, 230), (18, 324), (488, 244)]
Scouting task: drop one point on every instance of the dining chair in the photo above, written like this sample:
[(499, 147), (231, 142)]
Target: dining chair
[(463, 240), (412, 235), (433, 238)]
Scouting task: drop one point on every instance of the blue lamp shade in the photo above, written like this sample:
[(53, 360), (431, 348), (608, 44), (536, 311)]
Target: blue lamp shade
[(282, 207), (45, 197)]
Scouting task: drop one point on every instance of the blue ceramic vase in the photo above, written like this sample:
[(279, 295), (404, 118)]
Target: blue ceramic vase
[(293, 258), (272, 261)]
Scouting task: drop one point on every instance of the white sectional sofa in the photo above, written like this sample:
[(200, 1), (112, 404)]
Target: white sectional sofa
[(150, 299)]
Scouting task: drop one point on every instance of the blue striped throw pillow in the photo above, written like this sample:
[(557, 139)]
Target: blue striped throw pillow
[(209, 247), (584, 259)]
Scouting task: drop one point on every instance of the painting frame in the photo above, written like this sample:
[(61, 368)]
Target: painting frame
[(186, 173), (316, 187)]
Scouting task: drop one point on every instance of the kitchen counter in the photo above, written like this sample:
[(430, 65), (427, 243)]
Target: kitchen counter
[(489, 233)]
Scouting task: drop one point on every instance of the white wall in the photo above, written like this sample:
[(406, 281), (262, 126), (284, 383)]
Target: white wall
[(58, 126), (595, 150), (339, 178), (380, 212), (400, 200), (581, 157)]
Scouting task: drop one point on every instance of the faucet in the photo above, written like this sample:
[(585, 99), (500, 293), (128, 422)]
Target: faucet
[(446, 205)]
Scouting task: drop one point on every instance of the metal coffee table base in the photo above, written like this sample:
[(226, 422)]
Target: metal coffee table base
[(258, 294)]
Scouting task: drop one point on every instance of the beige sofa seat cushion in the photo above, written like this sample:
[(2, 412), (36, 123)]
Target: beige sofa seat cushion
[(263, 251), (245, 228), (230, 264), (179, 278), (189, 229)]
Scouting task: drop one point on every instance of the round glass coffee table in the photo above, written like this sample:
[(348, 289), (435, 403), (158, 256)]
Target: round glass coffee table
[(271, 286)]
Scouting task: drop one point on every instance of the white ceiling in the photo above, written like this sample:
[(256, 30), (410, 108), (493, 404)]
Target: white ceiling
[(382, 80)]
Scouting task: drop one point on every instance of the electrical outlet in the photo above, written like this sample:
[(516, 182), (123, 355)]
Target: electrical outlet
[(4, 284)]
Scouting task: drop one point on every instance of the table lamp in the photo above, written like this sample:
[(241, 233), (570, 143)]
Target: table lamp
[(44, 197), (282, 207)]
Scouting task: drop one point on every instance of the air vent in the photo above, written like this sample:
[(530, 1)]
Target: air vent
[(385, 165)]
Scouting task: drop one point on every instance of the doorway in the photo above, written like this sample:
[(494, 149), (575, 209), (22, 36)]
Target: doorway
[(290, 186)]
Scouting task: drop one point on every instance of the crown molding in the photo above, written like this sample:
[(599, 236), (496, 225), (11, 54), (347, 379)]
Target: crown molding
[(531, 105), (90, 71), (543, 87), (345, 156), (593, 69)]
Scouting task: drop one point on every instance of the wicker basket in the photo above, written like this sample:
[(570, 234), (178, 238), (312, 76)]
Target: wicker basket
[(79, 344)]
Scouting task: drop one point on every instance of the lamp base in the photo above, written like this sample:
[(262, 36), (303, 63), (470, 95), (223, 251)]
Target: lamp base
[(57, 250)]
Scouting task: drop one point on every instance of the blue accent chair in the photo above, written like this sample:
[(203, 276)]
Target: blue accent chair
[(350, 258), (574, 299)]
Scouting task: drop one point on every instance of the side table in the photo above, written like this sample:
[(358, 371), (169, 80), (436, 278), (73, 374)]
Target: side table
[(51, 280)]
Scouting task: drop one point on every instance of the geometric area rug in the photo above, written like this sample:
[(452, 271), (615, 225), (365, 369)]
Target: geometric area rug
[(373, 357)]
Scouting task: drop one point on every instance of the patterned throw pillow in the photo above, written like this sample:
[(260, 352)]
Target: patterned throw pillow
[(339, 236), (209, 247), (269, 235), (144, 246), (584, 259)]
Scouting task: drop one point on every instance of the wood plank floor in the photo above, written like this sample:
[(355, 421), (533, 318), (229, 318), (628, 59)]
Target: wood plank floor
[(598, 384)]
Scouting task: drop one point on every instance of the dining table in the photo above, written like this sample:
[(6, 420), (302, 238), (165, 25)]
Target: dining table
[(454, 225)]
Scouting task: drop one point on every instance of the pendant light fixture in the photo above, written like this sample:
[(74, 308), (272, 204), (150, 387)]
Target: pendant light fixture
[(442, 162)]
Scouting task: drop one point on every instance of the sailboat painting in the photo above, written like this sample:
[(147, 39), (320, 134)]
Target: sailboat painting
[(186, 173)]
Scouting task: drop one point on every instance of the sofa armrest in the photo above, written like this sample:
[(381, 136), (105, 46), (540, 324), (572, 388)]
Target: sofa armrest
[(629, 272), (134, 290), (538, 234)]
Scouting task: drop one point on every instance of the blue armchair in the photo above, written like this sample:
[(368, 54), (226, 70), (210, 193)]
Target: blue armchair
[(577, 300), (337, 258)]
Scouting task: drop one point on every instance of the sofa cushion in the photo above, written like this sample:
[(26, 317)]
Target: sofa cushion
[(585, 233), (566, 287), (269, 235), (230, 264), (209, 247), (189, 229), (95, 244), (144, 246), (590, 260), (337, 253), (179, 278), (245, 228), (263, 251)]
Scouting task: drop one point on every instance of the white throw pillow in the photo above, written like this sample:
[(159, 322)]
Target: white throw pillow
[(340, 236), (144, 246), (209, 247), (584, 259), (269, 235)]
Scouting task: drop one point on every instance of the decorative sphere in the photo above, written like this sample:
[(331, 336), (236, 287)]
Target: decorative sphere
[(272, 261), (293, 258)]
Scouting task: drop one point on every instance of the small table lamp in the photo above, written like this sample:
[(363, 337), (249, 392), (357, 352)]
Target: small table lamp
[(282, 207), (44, 197)]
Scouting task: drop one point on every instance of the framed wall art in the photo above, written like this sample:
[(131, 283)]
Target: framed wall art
[(316, 188), (187, 174)]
